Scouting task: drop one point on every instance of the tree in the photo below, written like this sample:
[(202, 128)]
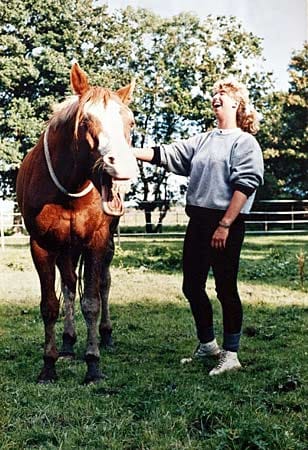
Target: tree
[(284, 134), (175, 61), (178, 61)]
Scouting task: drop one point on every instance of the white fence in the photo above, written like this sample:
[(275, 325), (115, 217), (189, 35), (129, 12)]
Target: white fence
[(291, 213), (276, 216)]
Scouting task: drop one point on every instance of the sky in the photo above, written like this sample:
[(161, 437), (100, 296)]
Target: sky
[(282, 24)]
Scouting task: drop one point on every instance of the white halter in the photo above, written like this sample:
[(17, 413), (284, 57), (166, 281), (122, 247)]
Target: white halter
[(53, 175)]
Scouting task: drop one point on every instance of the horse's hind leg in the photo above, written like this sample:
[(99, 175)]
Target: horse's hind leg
[(105, 327), (45, 265), (67, 265)]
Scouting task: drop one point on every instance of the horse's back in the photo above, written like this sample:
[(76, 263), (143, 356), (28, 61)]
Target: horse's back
[(21, 182)]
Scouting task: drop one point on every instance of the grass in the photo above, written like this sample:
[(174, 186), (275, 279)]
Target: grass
[(150, 400), (272, 260)]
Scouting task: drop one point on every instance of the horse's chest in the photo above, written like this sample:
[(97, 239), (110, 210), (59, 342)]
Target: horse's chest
[(69, 225)]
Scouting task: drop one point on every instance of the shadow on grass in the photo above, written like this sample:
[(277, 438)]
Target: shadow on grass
[(272, 261)]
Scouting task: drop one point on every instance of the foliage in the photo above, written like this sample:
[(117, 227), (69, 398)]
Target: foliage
[(184, 58), (175, 61), (284, 134)]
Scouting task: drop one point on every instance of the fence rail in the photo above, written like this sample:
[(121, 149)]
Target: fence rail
[(288, 220)]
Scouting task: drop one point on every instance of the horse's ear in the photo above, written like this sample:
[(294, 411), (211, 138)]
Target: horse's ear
[(126, 92), (79, 80)]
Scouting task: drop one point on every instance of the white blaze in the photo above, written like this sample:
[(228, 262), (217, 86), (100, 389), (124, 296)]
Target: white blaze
[(118, 158)]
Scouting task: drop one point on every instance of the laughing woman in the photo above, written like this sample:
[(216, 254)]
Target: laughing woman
[(225, 167)]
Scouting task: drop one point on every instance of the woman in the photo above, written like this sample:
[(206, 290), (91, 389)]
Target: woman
[(225, 167)]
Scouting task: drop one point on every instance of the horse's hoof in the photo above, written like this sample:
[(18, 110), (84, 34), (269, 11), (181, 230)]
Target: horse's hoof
[(107, 341), (48, 373), (94, 373), (48, 381), (90, 379), (47, 376), (109, 347), (66, 355), (67, 350)]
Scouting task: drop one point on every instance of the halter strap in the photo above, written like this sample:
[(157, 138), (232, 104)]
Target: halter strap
[(53, 175)]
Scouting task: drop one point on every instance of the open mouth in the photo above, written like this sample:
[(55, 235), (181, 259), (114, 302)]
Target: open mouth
[(112, 191), (217, 104), (113, 197)]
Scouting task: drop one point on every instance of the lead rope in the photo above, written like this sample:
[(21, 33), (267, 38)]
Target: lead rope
[(53, 175)]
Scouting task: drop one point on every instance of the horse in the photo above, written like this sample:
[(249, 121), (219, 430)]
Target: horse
[(70, 190)]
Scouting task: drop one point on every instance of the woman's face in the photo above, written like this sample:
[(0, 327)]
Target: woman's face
[(224, 103)]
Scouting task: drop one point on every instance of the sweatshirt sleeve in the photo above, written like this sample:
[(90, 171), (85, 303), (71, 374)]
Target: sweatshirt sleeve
[(176, 157), (247, 168)]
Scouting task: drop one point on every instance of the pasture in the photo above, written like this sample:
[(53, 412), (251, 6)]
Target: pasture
[(149, 400)]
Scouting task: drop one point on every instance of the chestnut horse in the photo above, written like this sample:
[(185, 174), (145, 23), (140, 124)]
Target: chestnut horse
[(69, 192)]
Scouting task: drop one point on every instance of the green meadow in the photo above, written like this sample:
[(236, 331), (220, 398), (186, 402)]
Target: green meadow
[(149, 400)]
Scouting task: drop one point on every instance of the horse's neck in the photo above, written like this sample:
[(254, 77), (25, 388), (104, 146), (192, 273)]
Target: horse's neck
[(69, 162)]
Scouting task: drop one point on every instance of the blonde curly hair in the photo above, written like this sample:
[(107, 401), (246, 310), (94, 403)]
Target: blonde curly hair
[(246, 115)]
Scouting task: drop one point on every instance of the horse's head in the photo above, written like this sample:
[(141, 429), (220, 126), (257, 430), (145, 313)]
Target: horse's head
[(107, 122)]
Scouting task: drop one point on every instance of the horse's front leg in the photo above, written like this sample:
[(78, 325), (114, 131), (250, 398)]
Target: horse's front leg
[(67, 263), (45, 265), (90, 306)]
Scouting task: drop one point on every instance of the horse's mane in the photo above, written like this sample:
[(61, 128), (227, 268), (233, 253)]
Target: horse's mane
[(65, 111), (71, 109)]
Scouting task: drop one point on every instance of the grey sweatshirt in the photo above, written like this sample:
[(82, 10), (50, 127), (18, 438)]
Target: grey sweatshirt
[(217, 163)]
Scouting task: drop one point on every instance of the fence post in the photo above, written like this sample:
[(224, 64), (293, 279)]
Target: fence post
[(2, 228), (119, 235)]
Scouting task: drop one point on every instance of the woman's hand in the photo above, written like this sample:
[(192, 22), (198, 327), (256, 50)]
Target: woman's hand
[(143, 154), (219, 238), (221, 234)]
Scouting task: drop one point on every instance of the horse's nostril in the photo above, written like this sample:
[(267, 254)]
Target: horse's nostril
[(110, 160)]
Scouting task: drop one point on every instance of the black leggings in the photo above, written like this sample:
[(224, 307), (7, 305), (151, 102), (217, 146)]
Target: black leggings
[(198, 257)]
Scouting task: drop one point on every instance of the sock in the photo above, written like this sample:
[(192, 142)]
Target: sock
[(231, 342)]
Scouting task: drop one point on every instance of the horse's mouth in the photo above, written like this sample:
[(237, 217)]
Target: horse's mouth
[(113, 197)]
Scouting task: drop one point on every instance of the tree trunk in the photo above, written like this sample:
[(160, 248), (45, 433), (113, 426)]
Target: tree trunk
[(148, 221)]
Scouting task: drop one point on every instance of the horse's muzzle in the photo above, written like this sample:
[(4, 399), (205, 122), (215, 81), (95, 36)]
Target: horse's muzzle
[(119, 167)]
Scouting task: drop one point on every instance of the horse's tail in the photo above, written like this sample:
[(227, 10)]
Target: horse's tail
[(80, 284)]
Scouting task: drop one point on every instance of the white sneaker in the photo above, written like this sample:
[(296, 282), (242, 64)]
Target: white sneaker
[(227, 361), (208, 349)]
